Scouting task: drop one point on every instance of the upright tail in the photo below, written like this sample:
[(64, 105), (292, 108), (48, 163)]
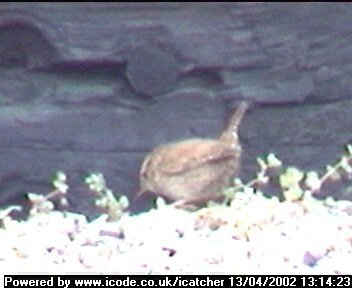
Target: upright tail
[(229, 135)]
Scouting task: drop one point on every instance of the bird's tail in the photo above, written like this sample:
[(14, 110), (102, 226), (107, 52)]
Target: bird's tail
[(230, 133)]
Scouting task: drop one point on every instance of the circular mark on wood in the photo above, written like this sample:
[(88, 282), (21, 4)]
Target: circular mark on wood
[(151, 71), (24, 46)]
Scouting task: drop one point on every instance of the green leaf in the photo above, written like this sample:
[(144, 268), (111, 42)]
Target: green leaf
[(313, 181), (349, 149), (291, 177), (293, 193), (273, 161)]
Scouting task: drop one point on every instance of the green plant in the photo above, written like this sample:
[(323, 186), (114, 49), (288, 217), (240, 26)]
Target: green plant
[(112, 205), (5, 218), (294, 183), (43, 203)]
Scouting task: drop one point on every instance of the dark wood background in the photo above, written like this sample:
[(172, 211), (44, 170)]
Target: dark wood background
[(95, 86)]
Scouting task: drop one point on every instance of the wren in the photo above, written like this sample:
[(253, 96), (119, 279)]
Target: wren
[(197, 170)]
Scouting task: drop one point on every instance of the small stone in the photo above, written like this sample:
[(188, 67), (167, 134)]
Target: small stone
[(152, 71)]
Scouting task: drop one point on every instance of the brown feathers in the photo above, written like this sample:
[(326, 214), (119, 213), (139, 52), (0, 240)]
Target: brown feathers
[(194, 170)]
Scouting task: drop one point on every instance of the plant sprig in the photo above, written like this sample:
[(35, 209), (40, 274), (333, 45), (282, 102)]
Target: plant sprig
[(42, 204), (293, 182), (113, 206)]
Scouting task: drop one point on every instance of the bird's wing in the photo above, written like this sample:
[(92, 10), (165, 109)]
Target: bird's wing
[(191, 155)]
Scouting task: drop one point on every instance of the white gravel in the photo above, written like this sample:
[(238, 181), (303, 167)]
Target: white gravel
[(256, 235)]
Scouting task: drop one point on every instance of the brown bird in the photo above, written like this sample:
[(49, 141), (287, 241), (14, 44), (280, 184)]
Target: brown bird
[(197, 170)]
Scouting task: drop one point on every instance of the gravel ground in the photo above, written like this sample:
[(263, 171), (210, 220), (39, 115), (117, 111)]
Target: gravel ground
[(255, 235)]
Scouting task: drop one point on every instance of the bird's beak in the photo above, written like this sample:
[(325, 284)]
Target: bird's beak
[(139, 194)]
